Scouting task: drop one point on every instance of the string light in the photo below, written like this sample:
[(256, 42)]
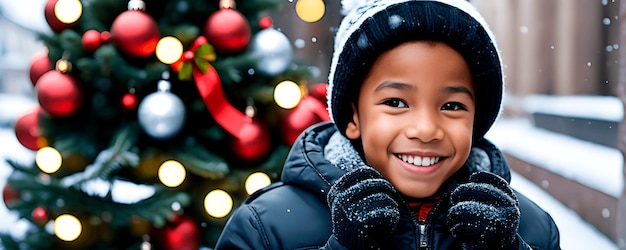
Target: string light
[(63, 66), (172, 173), (310, 10), (257, 181), (287, 94), (67, 227), (48, 159), (218, 203), (68, 11), (169, 49)]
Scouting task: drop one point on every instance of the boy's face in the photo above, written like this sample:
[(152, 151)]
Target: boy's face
[(415, 116)]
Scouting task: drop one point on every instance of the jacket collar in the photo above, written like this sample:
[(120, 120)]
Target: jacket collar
[(306, 165)]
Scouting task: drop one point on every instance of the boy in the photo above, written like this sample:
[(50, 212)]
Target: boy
[(413, 88)]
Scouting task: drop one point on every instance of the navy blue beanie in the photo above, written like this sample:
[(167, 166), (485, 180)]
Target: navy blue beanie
[(373, 27)]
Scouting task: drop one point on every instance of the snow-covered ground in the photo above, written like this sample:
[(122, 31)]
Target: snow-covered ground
[(607, 108), (575, 232), (561, 154)]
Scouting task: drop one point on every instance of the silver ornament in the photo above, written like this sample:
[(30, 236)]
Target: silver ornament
[(273, 51), (161, 114), (136, 5)]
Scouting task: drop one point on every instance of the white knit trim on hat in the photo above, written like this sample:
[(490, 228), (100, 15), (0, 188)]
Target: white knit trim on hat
[(360, 10), (348, 5)]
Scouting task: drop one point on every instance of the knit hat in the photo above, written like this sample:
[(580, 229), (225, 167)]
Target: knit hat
[(372, 27)]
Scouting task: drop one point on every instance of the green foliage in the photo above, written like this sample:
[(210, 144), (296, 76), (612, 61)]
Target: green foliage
[(111, 146)]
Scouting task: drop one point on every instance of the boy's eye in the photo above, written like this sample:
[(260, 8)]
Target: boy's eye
[(453, 106), (394, 102)]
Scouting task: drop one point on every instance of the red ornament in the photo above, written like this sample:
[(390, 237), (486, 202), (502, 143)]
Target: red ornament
[(265, 22), (40, 216), (135, 33), (308, 112), (105, 36), (27, 129), (129, 101), (9, 196), (58, 94), (39, 65), (319, 92), (181, 234), (91, 40), (253, 143), (227, 30), (53, 21)]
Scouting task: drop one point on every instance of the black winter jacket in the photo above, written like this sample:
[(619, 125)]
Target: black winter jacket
[(294, 214)]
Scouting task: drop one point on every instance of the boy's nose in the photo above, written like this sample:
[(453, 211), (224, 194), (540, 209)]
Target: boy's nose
[(424, 126)]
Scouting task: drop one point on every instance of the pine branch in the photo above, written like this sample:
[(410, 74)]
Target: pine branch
[(157, 209), (231, 68), (109, 160), (33, 240), (48, 192), (201, 162), (72, 44), (22, 168), (275, 162), (251, 9), (115, 66)]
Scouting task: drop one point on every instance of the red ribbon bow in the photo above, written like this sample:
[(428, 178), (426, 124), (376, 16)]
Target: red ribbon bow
[(196, 62)]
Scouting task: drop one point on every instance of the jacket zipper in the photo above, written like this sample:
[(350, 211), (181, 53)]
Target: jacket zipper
[(423, 244), (423, 224), (422, 228)]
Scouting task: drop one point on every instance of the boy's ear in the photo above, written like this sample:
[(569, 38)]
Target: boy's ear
[(353, 130)]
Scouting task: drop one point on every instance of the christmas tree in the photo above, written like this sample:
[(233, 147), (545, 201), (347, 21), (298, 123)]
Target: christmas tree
[(155, 120)]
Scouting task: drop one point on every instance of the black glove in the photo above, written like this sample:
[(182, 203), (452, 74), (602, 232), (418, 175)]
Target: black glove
[(484, 213), (364, 209)]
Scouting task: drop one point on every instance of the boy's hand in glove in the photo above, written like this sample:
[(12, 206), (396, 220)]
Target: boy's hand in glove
[(364, 209), (484, 213)]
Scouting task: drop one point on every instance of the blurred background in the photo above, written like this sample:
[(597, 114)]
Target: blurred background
[(561, 128)]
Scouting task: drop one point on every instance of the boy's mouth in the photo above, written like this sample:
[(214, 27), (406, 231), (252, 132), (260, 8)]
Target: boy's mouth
[(418, 160)]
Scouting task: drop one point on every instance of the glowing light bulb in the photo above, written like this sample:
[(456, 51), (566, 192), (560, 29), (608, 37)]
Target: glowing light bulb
[(169, 49), (257, 181), (172, 173), (287, 94), (63, 66), (67, 227), (68, 11), (218, 203), (48, 159), (310, 10)]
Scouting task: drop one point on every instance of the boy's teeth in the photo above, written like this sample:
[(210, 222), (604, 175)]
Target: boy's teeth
[(419, 161)]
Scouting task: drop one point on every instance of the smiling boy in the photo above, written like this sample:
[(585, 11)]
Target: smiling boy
[(415, 116), (413, 88)]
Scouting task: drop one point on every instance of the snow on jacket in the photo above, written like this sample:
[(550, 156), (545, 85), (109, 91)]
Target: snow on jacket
[(294, 214)]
